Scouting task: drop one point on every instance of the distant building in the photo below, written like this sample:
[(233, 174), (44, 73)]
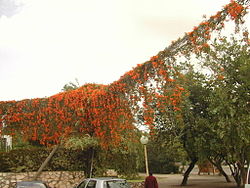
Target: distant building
[(5, 140)]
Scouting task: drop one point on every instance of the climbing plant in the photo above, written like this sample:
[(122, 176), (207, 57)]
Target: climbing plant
[(110, 112)]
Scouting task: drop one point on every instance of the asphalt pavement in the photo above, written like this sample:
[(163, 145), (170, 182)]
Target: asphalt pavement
[(195, 181)]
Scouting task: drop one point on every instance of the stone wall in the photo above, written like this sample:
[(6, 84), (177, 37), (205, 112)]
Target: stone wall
[(56, 179), (137, 185)]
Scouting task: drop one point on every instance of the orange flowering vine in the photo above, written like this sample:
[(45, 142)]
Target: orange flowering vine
[(234, 9), (108, 112), (201, 34)]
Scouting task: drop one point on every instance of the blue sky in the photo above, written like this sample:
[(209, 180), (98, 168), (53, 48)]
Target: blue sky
[(51, 42)]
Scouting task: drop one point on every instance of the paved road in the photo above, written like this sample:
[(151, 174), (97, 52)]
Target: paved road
[(195, 180)]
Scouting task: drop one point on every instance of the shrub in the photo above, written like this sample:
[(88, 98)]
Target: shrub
[(24, 160)]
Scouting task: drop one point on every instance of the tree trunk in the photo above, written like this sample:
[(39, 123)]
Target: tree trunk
[(45, 162), (222, 172), (243, 173), (89, 163), (219, 167), (186, 174), (237, 175), (237, 179)]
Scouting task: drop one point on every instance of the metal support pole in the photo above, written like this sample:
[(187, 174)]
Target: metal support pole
[(146, 159), (92, 162)]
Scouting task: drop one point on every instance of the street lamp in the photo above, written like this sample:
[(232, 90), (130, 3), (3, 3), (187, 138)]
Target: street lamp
[(144, 141)]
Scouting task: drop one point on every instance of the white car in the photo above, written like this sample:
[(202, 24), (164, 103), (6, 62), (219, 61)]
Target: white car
[(105, 182), (31, 184)]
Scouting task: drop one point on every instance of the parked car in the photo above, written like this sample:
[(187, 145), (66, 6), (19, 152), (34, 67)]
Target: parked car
[(105, 182), (31, 184)]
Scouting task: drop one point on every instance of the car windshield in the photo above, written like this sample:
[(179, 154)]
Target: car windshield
[(116, 184), (31, 185)]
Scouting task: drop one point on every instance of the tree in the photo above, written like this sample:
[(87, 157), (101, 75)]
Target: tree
[(71, 85), (197, 126), (229, 106), (194, 119), (161, 151), (218, 109)]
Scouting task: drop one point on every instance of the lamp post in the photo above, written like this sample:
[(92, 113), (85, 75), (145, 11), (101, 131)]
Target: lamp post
[(144, 141)]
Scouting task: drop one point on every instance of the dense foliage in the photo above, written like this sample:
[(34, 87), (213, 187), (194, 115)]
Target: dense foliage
[(107, 111), (29, 160), (229, 106)]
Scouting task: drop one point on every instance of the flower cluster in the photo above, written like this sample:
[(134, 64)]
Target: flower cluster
[(108, 112)]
